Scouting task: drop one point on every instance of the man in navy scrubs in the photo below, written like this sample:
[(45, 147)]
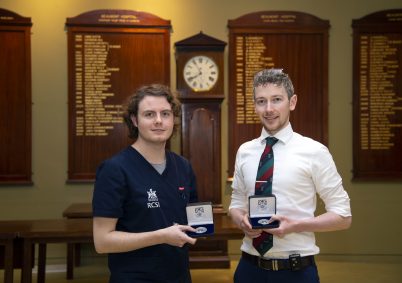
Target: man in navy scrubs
[(140, 196)]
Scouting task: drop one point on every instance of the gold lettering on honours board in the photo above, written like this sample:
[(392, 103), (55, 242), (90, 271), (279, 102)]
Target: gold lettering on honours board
[(278, 18), (6, 18), (379, 99), (115, 18), (394, 17), (95, 115)]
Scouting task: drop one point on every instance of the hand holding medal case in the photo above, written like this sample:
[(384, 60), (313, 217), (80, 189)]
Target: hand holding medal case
[(261, 209), (200, 217)]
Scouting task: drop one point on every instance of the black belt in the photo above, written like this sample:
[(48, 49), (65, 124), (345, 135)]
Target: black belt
[(294, 263)]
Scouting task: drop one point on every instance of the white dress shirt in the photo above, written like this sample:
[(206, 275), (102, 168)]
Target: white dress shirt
[(303, 168)]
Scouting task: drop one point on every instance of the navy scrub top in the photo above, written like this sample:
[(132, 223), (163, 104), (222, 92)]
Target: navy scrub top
[(129, 188)]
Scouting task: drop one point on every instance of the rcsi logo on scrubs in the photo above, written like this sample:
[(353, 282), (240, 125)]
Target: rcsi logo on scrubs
[(152, 199)]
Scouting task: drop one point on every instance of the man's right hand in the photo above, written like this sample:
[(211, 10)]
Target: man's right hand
[(175, 235)]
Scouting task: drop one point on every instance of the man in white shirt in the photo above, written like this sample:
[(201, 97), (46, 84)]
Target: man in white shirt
[(303, 168)]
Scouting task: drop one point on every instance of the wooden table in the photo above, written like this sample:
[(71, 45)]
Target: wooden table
[(40, 232), (78, 210), (75, 210), (73, 230)]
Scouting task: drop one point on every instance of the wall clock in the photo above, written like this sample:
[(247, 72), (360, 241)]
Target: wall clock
[(201, 73), (199, 65)]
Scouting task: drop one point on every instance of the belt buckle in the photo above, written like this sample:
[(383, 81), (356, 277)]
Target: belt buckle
[(262, 262)]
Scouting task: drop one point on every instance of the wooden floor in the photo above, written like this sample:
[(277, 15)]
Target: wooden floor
[(330, 272)]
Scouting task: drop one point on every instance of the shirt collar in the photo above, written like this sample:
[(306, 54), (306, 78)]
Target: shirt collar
[(283, 135)]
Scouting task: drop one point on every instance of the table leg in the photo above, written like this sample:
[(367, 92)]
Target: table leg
[(42, 263), (77, 254), (9, 261), (70, 261), (26, 270), (73, 258)]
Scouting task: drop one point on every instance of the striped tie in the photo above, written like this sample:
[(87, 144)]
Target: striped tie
[(263, 186)]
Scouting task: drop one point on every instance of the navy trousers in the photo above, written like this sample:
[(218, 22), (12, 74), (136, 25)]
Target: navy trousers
[(137, 278), (246, 272)]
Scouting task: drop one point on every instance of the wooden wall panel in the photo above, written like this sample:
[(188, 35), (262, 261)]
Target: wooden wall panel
[(201, 129), (15, 99), (293, 41), (111, 53), (377, 96)]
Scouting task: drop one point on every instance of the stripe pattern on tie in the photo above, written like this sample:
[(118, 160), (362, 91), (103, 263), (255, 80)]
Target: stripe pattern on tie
[(263, 186)]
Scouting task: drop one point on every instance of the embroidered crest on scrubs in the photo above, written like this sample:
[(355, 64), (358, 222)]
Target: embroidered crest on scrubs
[(152, 199)]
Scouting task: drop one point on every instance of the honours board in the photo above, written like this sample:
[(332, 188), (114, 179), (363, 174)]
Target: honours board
[(377, 96), (15, 99), (293, 41), (110, 54)]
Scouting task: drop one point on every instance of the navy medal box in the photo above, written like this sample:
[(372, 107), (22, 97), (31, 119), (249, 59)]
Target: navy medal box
[(200, 217)]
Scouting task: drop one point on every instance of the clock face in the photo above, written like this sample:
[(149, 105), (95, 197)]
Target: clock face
[(200, 73)]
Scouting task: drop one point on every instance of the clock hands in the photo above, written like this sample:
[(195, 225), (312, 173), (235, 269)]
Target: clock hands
[(195, 76)]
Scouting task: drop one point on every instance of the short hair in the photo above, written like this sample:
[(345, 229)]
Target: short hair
[(132, 104), (273, 76)]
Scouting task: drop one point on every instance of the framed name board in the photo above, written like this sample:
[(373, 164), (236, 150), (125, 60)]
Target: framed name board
[(110, 54), (15, 99), (293, 41), (377, 96)]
